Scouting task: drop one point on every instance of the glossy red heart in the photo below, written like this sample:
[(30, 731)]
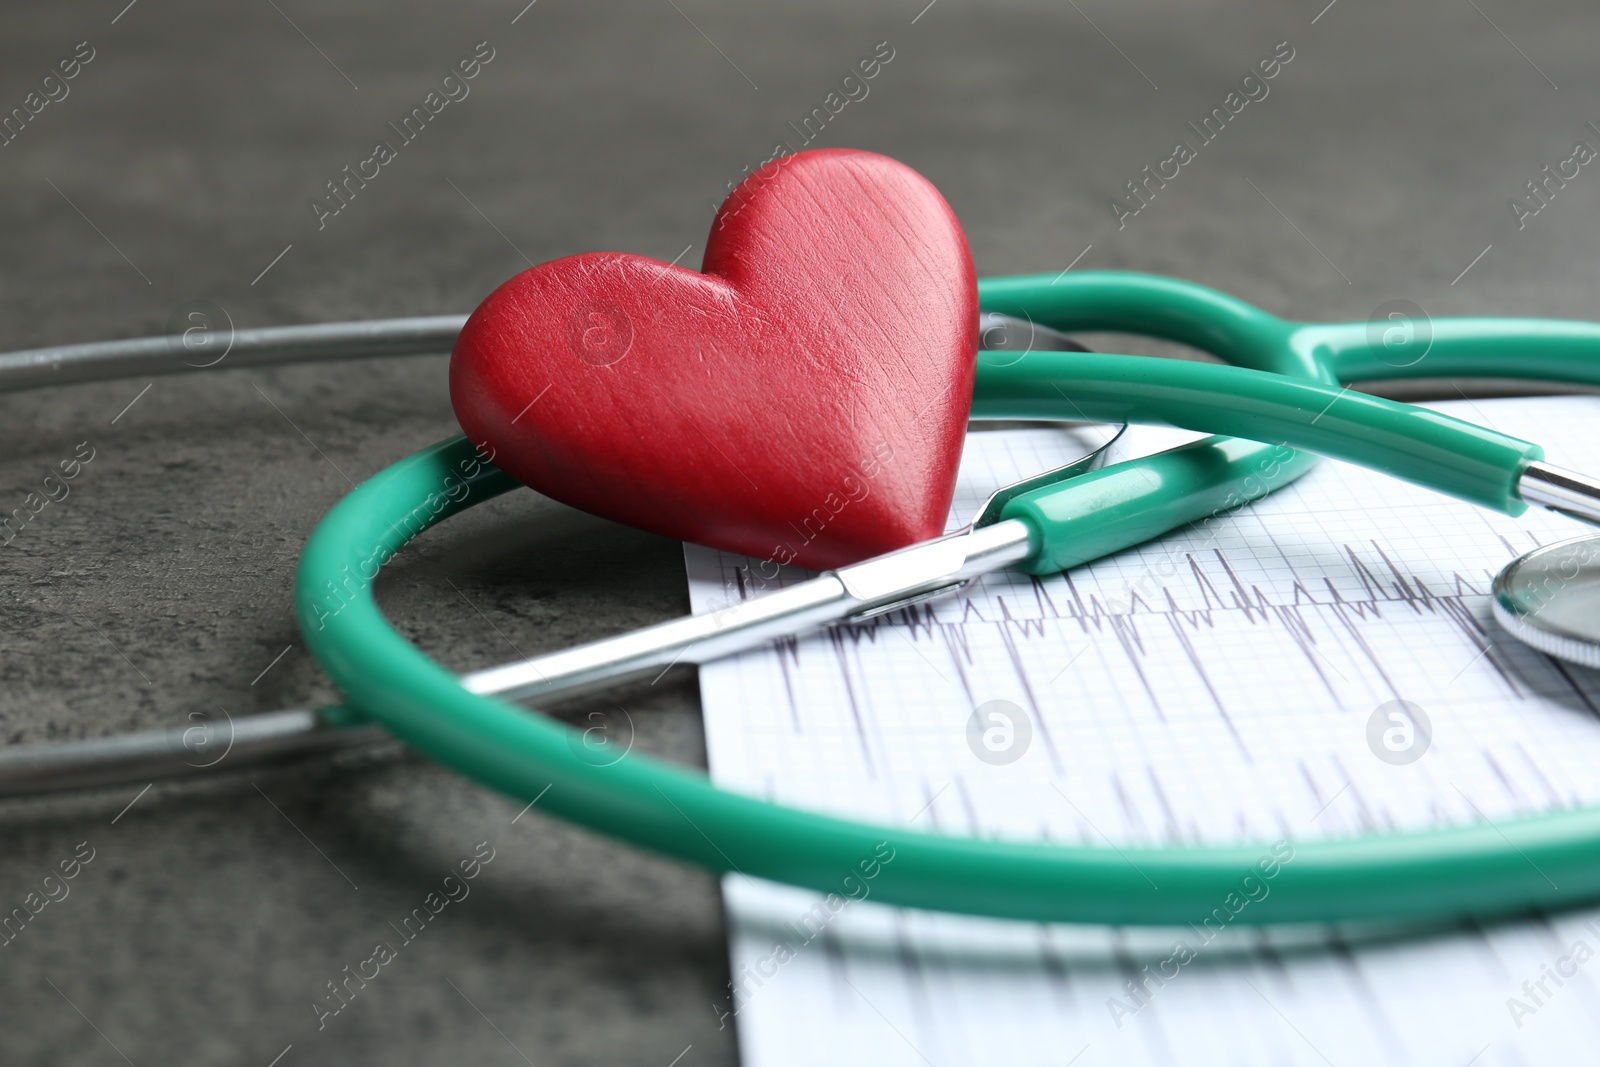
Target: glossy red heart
[(802, 399)]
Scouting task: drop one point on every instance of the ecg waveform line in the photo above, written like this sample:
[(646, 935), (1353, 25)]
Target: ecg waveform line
[(1376, 585)]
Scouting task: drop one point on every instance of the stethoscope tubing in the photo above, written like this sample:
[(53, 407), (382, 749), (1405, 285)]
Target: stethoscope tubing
[(1482, 870), (474, 737)]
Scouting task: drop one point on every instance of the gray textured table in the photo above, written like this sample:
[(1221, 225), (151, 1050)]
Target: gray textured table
[(180, 164)]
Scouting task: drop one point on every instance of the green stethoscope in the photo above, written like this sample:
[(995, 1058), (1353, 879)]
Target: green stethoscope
[(1285, 387)]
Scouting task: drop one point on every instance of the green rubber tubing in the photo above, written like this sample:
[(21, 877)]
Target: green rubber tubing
[(1548, 861)]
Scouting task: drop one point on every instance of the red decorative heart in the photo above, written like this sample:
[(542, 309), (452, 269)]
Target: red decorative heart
[(804, 399)]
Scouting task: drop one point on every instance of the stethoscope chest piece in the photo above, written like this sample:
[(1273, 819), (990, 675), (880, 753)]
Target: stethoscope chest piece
[(1550, 599)]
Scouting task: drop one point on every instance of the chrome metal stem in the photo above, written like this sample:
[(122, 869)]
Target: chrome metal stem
[(860, 591), (1561, 490), (249, 741), (225, 349)]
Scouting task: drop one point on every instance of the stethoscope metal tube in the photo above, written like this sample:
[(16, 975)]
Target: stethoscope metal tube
[(198, 749), (208, 346), (1558, 489), (860, 591), (885, 583), (254, 739), (872, 587)]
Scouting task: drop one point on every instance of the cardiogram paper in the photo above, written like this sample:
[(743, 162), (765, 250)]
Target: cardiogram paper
[(1214, 686)]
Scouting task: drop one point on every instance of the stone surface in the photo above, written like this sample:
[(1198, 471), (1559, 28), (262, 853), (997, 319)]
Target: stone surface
[(212, 915)]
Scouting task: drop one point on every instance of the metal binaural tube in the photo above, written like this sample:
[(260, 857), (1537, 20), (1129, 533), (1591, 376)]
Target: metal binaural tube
[(248, 741), (36, 368), (860, 590), (1561, 490), (880, 584)]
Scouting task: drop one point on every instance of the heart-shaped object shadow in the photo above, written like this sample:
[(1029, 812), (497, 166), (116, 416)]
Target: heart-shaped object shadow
[(802, 399)]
